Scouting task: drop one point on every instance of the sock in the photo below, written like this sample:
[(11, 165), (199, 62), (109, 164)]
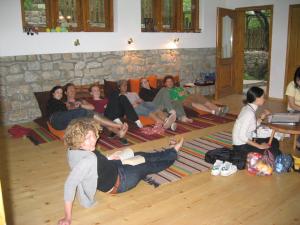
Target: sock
[(118, 121), (139, 124)]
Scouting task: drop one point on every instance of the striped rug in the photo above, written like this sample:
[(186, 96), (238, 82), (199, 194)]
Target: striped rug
[(134, 135), (191, 158), (40, 135)]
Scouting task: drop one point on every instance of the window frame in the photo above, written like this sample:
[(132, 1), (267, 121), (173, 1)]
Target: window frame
[(48, 21), (82, 11), (157, 12)]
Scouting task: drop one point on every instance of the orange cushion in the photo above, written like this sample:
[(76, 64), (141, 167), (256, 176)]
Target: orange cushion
[(152, 80), (134, 85), (57, 133), (146, 120)]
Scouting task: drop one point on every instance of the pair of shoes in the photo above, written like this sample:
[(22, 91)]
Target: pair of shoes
[(169, 121), (224, 169), (173, 126), (221, 111), (124, 141)]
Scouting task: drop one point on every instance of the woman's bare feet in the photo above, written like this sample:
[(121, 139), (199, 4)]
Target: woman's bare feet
[(123, 130), (173, 143)]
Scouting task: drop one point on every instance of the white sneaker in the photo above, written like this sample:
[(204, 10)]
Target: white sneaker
[(216, 169), (173, 126), (228, 169)]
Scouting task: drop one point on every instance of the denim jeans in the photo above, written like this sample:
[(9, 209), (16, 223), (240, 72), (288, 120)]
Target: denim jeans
[(60, 120), (155, 162), (145, 108)]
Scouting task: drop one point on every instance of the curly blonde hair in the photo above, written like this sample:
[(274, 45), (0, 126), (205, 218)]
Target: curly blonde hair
[(77, 130)]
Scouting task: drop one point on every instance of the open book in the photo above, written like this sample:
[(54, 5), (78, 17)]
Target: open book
[(284, 118), (127, 157)]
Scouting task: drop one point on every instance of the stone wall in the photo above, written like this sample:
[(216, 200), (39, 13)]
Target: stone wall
[(23, 75), (256, 63)]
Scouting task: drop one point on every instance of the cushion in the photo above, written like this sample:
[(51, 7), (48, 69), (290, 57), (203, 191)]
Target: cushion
[(42, 99), (109, 87), (146, 120), (152, 80), (57, 133), (134, 85)]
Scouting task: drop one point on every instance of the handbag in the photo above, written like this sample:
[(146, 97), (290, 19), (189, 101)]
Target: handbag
[(268, 158)]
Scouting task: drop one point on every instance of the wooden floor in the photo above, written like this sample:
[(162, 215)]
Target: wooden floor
[(34, 177)]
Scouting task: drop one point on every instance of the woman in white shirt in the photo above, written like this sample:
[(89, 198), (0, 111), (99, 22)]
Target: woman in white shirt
[(293, 93), (246, 124)]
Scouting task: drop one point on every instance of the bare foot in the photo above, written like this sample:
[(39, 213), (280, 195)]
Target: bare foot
[(178, 144), (123, 130)]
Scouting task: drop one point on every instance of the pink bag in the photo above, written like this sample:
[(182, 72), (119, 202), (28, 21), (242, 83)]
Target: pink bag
[(260, 165), (252, 159)]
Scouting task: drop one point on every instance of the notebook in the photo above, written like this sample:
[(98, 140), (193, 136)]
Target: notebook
[(284, 118)]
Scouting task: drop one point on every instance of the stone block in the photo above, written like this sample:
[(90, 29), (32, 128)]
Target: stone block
[(7, 59), (51, 75), (18, 115), (56, 57), (79, 65), (46, 57), (16, 78), (16, 68), (47, 66), (93, 65), (31, 57), (34, 65), (66, 66), (32, 76), (67, 56), (21, 58)]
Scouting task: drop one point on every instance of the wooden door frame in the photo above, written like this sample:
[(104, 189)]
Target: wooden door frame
[(239, 50), (288, 49)]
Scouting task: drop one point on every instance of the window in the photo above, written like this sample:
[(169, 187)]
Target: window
[(170, 15), (71, 15)]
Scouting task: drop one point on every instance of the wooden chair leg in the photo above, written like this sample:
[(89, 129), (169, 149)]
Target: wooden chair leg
[(271, 138)]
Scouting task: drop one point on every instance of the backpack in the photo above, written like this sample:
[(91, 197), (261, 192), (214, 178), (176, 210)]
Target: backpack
[(283, 163), (236, 157)]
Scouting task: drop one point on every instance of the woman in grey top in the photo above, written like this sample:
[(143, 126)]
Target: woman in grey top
[(91, 170)]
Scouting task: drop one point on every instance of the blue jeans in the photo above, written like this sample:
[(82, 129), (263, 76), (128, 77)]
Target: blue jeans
[(155, 162), (145, 108), (60, 120)]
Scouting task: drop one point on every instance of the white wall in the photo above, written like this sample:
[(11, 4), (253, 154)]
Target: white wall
[(127, 24), (279, 39)]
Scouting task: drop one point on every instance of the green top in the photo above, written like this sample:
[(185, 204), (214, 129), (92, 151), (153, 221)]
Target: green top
[(177, 94)]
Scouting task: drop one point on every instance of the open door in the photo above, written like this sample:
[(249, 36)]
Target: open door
[(293, 49), (225, 78)]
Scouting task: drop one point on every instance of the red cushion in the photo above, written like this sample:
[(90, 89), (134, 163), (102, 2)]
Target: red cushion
[(134, 85)]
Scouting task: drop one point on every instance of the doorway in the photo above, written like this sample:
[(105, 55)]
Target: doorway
[(231, 70), (257, 48)]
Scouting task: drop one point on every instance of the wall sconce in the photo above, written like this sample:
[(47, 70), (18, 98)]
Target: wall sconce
[(176, 40), (76, 42), (130, 41)]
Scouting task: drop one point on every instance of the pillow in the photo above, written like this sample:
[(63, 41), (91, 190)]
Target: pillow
[(152, 80), (134, 85), (42, 99), (109, 87)]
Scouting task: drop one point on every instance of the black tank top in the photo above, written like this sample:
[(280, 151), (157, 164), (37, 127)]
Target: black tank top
[(107, 172)]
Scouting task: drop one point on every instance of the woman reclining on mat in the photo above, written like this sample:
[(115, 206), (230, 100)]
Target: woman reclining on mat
[(175, 97), (72, 102), (244, 130), (143, 108), (60, 116), (92, 171), (293, 93)]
